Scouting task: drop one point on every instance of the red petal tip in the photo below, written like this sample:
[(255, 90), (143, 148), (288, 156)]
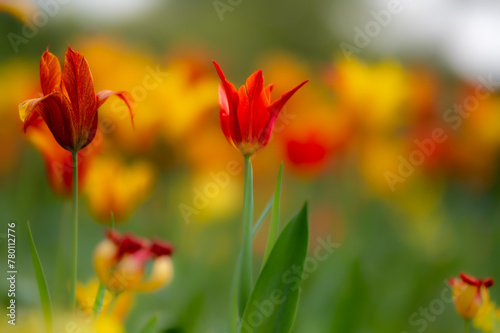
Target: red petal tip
[(470, 280)]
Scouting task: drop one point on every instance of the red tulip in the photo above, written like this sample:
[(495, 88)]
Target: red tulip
[(69, 105), (247, 116)]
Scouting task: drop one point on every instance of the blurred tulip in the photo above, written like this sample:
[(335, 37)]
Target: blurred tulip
[(69, 105), (20, 9), (311, 144), (247, 116), (373, 94), (488, 317), (120, 261), (18, 83), (469, 295), (114, 307), (173, 98), (58, 161), (113, 187)]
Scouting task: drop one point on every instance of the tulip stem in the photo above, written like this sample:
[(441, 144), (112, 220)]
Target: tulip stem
[(466, 326), (99, 297), (75, 232), (246, 253)]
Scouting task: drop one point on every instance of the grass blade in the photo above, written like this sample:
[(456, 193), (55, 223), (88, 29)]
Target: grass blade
[(275, 218), (42, 284), (151, 326)]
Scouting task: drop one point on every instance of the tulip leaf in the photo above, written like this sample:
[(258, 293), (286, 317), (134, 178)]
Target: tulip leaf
[(273, 301), (42, 283), (151, 326), (275, 217)]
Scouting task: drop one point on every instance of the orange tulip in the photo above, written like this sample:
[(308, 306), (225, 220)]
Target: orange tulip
[(69, 105)]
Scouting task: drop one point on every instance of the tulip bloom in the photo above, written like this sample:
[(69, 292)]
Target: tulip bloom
[(247, 115), (69, 103), (469, 294), (120, 262), (114, 187)]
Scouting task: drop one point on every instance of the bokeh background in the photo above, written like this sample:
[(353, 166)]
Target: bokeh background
[(405, 210)]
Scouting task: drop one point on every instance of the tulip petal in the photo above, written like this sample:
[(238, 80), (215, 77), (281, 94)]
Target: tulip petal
[(254, 116), (55, 110), (50, 73), (232, 101), (79, 85), (161, 275), (27, 112), (103, 95), (274, 110), (243, 115), (267, 92), (224, 114), (470, 280)]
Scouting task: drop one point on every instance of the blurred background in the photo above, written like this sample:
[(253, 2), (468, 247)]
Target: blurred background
[(394, 142)]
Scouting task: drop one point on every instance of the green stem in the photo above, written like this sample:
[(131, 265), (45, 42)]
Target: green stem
[(99, 297), (61, 264), (246, 257), (466, 326), (75, 232), (233, 322)]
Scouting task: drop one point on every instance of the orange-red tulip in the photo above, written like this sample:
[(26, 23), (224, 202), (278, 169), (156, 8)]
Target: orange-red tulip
[(69, 103), (247, 115)]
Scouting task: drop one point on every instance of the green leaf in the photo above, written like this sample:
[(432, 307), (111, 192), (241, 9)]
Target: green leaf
[(151, 326), (275, 217), (42, 284), (273, 302)]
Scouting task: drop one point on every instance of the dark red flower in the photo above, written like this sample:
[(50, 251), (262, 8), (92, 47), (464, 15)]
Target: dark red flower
[(69, 105), (247, 115)]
